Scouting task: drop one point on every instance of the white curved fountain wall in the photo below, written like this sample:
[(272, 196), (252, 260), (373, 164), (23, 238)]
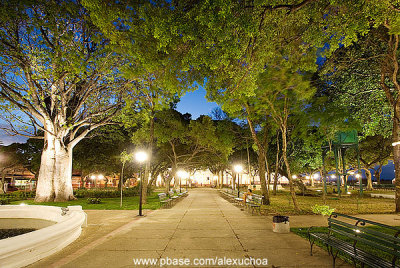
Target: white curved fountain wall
[(25, 249)]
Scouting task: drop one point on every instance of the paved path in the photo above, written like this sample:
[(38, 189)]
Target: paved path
[(203, 225)]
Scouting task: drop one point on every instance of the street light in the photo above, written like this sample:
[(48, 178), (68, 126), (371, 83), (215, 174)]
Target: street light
[(141, 157), (238, 169), (182, 175), (93, 177)]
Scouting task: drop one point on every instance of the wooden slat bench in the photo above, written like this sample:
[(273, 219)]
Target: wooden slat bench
[(228, 194), (165, 201), (174, 197), (254, 203), (355, 238)]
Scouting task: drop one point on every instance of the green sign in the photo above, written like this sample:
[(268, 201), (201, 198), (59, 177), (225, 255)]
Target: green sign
[(347, 137)]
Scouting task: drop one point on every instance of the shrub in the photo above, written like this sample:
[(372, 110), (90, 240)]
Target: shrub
[(94, 200), (18, 195), (322, 209), (106, 193), (4, 201)]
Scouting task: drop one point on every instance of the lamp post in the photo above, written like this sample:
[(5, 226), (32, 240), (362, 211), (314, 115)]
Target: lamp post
[(182, 175), (238, 169), (140, 157), (93, 177), (315, 177)]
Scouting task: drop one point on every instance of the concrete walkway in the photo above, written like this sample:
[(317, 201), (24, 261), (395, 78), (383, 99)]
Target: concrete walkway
[(203, 225)]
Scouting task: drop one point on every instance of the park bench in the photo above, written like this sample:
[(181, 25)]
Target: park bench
[(254, 203), (231, 195), (227, 194), (182, 194), (165, 201), (174, 197), (239, 200), (360, 239)]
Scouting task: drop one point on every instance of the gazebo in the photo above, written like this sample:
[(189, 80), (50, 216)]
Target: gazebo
[(341, 143)]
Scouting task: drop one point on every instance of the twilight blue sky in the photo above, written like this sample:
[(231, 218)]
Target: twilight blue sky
[(196, 103)]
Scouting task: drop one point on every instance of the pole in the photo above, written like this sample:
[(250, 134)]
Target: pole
[(324, 172), (180, 185), (121, 182), (358, 171), (344, 169), (338, 181), (140, 193), (238, 188)]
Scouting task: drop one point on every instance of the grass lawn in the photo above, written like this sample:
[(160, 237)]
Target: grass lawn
[(128, 203), (282, 204)]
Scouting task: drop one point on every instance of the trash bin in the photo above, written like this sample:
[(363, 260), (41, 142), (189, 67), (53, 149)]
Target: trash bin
[(280, 224)]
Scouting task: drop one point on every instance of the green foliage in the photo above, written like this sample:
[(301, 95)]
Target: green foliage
[(100, 153), (4, 201), (323, 210), (18, 195), (128, 203), (93, 200), (106, 193)]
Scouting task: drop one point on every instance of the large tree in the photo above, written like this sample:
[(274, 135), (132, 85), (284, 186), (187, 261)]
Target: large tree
[(56, 76)]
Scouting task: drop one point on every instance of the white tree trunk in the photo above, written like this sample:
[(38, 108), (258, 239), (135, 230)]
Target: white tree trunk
[(55, 174)]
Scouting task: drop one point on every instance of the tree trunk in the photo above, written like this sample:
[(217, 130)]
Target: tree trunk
[(377, 174), (261, 163), (261, 173), (55, 174), (220, 179), (284, 155), (276, 164), (268, 174), (369, 179), (2, 182), (396, 154), (153, 178)]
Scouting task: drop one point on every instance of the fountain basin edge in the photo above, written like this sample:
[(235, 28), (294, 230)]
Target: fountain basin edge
[(22, 250)]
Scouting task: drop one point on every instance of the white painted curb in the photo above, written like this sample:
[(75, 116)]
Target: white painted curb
[(22, 250)]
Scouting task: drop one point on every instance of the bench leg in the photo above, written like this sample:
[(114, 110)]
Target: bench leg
[(334, 257), (311, 246), (354, 261)]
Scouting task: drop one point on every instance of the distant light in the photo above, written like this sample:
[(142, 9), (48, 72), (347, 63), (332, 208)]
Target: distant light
[(238, 168), (307, 177), (182, 174), (358, 176), (316, 176), (100, 177), (396, 143), (358, 231), (93, 177), (351, 172), (294, 177), (141, 156), (319, 190), (348, 192), (333, 176), (22, 204)]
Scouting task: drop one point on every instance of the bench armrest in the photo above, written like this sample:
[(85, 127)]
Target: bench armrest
[(309, 231)]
